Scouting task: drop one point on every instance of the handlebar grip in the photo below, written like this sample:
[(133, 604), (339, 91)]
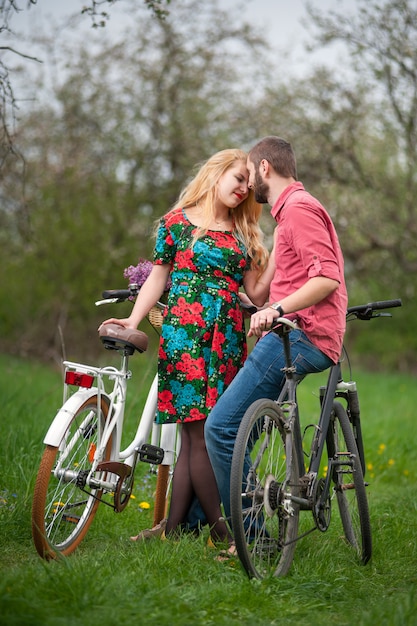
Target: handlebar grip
[(122, 294), (386, 304), (375, 306)]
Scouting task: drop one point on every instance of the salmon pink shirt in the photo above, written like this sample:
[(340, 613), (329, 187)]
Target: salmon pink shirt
[(307, 245)]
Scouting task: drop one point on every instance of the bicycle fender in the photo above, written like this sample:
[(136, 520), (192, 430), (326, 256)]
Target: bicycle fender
[(66, 413)]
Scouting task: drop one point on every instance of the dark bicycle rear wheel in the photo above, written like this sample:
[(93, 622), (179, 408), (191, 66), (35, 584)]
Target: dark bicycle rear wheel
[(349, 485), (263, 480)]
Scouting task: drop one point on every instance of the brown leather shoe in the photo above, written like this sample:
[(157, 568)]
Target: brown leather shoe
[(157, 532)]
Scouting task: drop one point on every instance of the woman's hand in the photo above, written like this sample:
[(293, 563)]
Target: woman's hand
[(125, 322)]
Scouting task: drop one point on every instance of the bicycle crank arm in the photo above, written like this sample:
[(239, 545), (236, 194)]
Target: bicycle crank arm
[(123, 487)]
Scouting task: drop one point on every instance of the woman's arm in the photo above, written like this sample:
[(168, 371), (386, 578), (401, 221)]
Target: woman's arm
[(257, 285)]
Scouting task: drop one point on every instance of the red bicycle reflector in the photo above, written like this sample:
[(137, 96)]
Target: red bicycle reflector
[(78, 379)]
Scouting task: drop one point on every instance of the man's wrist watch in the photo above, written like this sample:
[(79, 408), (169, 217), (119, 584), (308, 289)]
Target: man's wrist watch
[(278, 308)]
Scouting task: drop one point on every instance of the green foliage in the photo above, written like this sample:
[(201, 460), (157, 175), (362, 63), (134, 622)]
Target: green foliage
[(110, 580), (110, 144)]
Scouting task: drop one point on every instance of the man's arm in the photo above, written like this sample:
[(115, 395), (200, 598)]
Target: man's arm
[(312, 292)]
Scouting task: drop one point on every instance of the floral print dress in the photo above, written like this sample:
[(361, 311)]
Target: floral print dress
[(203, 340)]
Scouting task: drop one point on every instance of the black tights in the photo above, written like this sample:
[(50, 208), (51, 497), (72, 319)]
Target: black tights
[(194, 476)]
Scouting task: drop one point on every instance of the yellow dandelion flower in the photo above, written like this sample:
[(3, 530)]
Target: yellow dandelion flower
[(391, 462), (381, 448), (406, 472), (144, 505), (132, 496), (370, 466)]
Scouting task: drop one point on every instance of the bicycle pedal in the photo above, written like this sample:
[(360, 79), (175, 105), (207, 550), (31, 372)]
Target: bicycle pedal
[(151, 454)]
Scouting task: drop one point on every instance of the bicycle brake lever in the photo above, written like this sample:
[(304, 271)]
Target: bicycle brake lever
[(108, 301)]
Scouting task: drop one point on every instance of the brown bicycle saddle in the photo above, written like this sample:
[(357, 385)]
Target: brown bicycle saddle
[(116, 337)]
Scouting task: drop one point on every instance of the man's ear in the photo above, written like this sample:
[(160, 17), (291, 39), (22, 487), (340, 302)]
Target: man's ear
[(264, 167)]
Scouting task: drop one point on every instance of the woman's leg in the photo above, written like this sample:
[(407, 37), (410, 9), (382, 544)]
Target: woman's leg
[(204, 481), (182, 490), (193, 475)]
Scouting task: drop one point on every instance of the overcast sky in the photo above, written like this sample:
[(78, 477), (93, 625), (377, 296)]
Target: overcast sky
[(281, 21)]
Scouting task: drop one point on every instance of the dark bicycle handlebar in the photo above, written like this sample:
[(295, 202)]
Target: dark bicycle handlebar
[(360, 311), (119, 294), (366, 311), (375, 306)]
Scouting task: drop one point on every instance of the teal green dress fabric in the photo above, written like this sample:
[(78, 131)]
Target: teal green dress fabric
[(203, 340)]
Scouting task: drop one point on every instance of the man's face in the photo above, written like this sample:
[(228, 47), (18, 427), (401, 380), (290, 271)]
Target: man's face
[(257, 183)]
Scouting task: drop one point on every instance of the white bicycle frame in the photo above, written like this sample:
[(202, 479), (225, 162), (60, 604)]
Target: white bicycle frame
[(165, 436)]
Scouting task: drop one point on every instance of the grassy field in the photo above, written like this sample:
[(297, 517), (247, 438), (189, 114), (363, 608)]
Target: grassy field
[(112, 581)]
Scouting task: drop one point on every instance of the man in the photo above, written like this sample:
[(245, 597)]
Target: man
[(308, 287)]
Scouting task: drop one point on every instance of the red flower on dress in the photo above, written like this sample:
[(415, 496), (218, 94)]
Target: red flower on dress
[(212, 395), (164, 402), (224, 240), (193, 368), (233, 284), (189, 313), (237, 317), (184, 260), (195, 415), (226, 295), (230, 373), (174, 217), (218, 341)]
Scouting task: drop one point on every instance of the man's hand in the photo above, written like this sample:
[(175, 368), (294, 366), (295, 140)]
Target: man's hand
[(261, 321)]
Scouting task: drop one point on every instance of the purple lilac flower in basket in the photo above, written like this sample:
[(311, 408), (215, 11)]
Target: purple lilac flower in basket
[(140, 272)]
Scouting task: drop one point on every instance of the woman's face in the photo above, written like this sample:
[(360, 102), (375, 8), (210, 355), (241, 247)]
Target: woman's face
[(232, 187)]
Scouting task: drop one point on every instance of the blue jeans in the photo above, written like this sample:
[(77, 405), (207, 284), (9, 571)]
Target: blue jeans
[(260, 377)]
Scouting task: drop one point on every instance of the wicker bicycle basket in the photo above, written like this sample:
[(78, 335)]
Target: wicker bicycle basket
[(155, 317)]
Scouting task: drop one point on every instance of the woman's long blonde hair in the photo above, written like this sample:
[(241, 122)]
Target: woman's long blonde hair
[(202, 189)]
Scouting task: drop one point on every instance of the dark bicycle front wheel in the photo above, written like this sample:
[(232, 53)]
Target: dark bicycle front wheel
[(263, 481), (63, 507), (349, 485)]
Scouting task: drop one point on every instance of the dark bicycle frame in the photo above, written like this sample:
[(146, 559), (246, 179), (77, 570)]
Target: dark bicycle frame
[(335, 388)]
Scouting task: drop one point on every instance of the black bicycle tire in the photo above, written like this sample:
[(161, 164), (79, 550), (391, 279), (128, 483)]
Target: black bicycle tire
[(260, 560), (355, 518), (50, 503)]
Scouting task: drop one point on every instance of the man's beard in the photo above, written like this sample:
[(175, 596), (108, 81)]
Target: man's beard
[(261, 189)]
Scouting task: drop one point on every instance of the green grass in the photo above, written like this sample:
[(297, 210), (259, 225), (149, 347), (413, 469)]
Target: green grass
[(112, 581)]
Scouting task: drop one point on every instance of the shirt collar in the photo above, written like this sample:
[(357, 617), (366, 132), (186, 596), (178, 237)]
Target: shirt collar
[(283, 197)]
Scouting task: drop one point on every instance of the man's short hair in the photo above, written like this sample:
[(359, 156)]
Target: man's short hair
[(278, 153)]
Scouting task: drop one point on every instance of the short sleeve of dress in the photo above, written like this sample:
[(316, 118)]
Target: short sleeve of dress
[(165, 248)]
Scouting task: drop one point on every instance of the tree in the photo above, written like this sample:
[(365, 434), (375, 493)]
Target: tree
[(8, 108), (107, 152), (382, 40)]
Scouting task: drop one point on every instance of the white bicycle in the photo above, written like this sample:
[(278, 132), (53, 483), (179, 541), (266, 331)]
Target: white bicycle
[(82, 463)]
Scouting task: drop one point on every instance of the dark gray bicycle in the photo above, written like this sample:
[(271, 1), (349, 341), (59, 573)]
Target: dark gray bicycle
[(270, 482)]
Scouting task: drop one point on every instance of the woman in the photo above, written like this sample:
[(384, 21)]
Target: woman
[(210, 245)]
